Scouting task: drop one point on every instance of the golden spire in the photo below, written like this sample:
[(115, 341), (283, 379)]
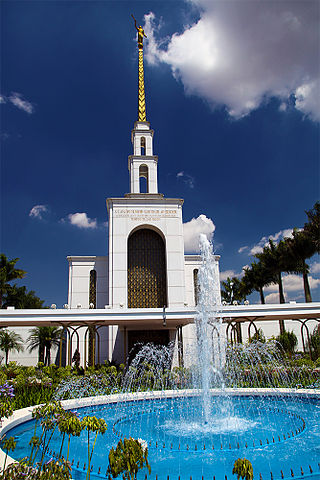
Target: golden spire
[(142, 116)]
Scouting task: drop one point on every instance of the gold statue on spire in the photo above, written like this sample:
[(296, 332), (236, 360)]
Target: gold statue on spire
[(141, 33), (142, 116)]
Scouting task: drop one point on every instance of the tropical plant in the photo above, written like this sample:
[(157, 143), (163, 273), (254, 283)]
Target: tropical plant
[(315, 343), (312, 227), (287, 341), (256, 277), (43, 339), (8, 272), (272, 258), (10, 341), (243, 469), (19, 297), (69, 424), (233, 290), (299, 248), (96, 425), (258, 336), (128, 458), (9, 445)]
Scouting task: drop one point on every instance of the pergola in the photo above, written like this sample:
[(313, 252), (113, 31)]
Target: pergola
[(134, 318)]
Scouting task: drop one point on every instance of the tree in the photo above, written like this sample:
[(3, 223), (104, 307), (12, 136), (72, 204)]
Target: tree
[(19, 297), (233, 289), (273, 259), (43, 339), (256, 277), (8, 272), (300, 247), (312, 227), (10, 341)]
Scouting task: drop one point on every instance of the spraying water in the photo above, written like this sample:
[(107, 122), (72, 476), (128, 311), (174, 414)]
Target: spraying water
[(210, 336)]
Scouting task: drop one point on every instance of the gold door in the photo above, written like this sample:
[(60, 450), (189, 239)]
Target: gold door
[(147, 285)]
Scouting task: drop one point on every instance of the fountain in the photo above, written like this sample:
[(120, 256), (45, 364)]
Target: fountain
[(198, 421)]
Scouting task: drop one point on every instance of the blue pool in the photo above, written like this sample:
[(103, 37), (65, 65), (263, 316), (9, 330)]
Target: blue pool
[(280, 435)]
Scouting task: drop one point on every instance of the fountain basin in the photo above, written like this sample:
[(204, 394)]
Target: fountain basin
[(277, 430)]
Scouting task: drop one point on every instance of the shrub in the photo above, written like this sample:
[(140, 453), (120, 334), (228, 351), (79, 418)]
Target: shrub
[(315, 343), (287, 342), (128, 458), (243, 468)]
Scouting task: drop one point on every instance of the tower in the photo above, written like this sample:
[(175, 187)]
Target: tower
[(146, 253), (146, 272)]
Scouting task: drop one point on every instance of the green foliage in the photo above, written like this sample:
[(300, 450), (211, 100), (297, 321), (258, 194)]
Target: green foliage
[(53, 470), (10, 341), (128, 458), (287, 342), (8, 272), (256, 277), (20, 297), (43, 339), (233, 290), (6, 409), (312, 227), (9, 444), (243, 469), (315, 343), (258, 337)]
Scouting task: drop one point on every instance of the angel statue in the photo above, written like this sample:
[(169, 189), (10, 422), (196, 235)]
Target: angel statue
[(141, 33)]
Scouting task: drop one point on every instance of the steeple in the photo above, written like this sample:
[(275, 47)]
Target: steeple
[(142, 164), (142, 115)]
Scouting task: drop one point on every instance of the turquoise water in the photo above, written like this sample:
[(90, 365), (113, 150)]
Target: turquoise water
[(276, 434)]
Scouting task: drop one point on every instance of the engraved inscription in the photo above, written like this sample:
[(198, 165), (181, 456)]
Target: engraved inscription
[(145, 214)]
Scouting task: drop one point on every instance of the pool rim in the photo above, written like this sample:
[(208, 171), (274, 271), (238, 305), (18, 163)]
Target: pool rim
[(25, 414)]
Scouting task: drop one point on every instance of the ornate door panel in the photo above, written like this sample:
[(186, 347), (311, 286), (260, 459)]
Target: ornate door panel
[(147, 285)]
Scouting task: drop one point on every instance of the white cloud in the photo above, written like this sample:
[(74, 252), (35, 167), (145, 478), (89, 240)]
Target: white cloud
[(187, 179), (240, 53), (293, 283), (3, 99), (37, 211), (264, 241), (315, 268), (81, 220), (272, 298), (18, 101), (229, 273), (243, 249), (193, 229)]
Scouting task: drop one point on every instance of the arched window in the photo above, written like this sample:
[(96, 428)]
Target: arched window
[(143, 179), (93, 288), (143, 145), (196, 287), (147, 280)]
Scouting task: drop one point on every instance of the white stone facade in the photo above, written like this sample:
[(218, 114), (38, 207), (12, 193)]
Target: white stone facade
[(142, 208)]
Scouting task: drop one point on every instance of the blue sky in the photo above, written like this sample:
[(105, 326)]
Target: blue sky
[(232, 93)]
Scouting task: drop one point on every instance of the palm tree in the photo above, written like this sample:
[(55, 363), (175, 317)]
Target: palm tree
[(19, 297), (300, 247), (10, 341), (233, 290), (43, 339), (312, 227), (8, 272), (273, 259), (256, 277)]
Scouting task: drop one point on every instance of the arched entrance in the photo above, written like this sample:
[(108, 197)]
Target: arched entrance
[(147, 280)]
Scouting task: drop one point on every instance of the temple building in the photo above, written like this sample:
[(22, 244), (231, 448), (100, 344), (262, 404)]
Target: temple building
[(146, 267)]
